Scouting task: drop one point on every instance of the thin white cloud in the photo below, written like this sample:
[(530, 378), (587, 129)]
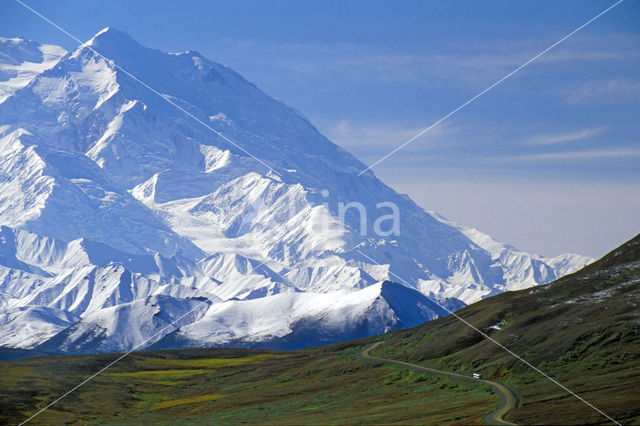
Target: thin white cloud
[(558, 138), (372, 136), (604, 91), (578, 155), (472, 62)]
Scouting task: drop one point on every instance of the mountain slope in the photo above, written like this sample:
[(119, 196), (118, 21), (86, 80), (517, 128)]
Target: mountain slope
[(582, 330), (21, 60), (240, 199)]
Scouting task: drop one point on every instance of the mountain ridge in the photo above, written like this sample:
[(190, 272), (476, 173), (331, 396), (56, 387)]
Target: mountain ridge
[(103, 179), (581, 330)]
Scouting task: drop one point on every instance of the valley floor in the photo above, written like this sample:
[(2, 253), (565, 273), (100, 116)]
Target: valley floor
[(326, 385), (329, 384)]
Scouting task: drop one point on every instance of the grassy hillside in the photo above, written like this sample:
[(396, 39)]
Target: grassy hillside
[(583, 330)]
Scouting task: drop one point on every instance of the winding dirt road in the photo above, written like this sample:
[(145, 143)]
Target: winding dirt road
[(508, 399)]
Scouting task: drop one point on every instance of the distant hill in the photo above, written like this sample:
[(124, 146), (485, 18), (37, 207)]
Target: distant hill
[(8, 354)]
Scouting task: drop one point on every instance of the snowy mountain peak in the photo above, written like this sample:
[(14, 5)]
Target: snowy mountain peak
[(21, 60), (109, 39), (121, 213)]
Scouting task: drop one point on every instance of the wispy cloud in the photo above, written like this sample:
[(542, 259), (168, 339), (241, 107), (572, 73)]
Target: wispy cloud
[(604, 91), (576, 155), (471, 62), (588, 47), (352, 135), (558, 138)]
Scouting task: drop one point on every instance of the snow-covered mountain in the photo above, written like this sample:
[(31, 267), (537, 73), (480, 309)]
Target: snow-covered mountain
[(151, 198), (21, 60)]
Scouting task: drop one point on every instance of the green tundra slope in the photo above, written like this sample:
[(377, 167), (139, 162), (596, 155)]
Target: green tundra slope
[(582, 330)]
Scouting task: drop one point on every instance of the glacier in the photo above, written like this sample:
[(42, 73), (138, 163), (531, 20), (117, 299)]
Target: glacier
[(127, 223)]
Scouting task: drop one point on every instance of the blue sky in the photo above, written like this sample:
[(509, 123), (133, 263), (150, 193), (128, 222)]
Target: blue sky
[(548, 161)]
